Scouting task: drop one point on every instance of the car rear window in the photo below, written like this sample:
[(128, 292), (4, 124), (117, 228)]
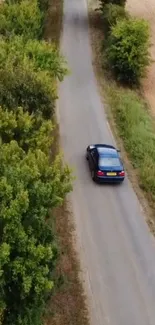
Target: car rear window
[(109, 162)]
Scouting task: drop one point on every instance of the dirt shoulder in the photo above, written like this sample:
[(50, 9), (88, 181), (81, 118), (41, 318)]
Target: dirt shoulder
[(146, 9)]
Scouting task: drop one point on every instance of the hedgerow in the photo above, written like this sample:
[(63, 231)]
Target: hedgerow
[(32, 183)]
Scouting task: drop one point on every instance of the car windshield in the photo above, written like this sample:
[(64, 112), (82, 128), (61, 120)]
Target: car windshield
[(109, 161)]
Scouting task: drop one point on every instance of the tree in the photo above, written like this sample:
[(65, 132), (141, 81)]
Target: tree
[(21, 86), (30, 131), (128, 49)]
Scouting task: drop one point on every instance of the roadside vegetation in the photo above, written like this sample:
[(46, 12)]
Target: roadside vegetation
[(121, 57), (32, 181), (39, 273)]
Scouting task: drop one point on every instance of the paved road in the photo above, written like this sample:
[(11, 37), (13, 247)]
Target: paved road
[(116, 247)]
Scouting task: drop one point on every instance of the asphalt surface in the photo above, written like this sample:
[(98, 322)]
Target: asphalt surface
[(117, 250)]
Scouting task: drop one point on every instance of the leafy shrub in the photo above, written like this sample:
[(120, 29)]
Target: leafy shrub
[(112, 13), (127, 50), (24, 18), (43, 55), (103, 3), (21, 86), (29, 187), (43, 4)]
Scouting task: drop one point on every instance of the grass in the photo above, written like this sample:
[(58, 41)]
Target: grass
[(137, 132), (130, 121), (67, 305)]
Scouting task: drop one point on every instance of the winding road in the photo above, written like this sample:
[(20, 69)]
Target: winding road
[(117, 249)]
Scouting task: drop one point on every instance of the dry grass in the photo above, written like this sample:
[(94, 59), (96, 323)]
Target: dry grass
[(67, 304), (53, 24), (107, 87)]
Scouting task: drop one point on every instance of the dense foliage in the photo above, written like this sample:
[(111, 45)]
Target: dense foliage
[(28, 73), (127, 50), (32, 182), (30, 131)]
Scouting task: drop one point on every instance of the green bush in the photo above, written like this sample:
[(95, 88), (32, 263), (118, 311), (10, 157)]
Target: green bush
[(43, 55), (21, 86), (29, 187), (43, 4), (12, 2), (112, 13), (128, 49), (23, 18)]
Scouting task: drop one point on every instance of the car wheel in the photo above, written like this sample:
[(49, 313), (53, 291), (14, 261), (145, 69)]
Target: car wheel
[(93, 175), (86, 156)]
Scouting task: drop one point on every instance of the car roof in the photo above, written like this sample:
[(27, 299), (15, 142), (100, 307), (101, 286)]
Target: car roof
[(103, 146)]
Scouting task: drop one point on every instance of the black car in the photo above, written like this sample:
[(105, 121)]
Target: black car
[(105, 163)]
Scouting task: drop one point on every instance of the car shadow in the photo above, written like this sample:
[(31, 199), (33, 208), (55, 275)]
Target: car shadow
[(108, 184)]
